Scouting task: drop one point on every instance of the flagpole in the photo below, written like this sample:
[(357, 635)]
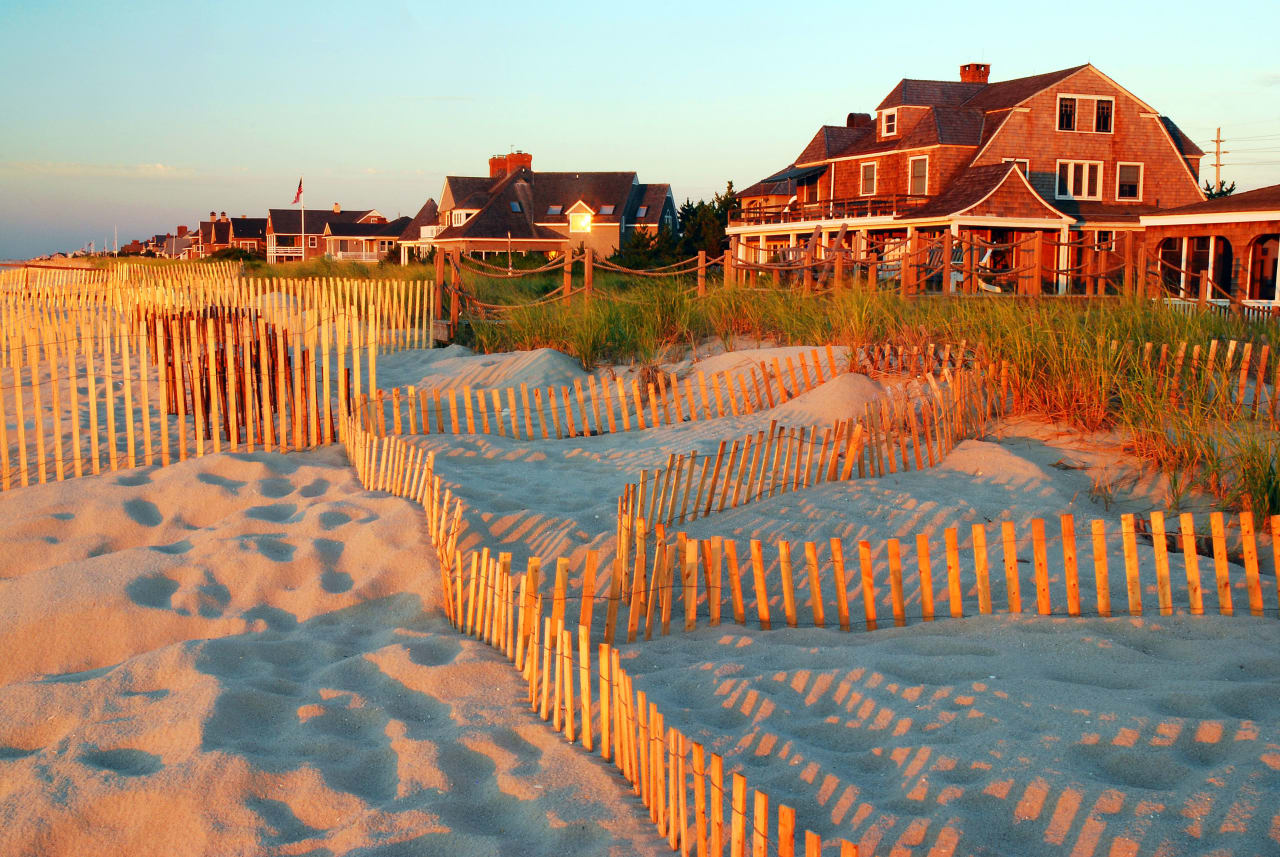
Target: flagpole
[(302, 197)]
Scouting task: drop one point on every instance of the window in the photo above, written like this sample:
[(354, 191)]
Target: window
[(311, 241), (642, 211), (554, 209), (459, 218), (1079, 180), (1105, 239), (889, 123), (868, 179), (606, 209), (515, 206), (1023, 164), (1129, 182), (579, 222), (1066, 114), (919, 185), (1102, 111)]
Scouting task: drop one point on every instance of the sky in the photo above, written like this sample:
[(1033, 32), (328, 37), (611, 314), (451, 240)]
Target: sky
[(142, 116)]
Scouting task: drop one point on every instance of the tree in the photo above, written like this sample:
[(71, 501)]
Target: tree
[(1223, 189)]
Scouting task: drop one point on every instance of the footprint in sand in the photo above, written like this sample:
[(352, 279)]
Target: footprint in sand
[(275, 488), (126, 762), (276, 513), (143, 512)]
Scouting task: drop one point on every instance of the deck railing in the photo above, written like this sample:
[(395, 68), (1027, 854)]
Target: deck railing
[(827, 209)]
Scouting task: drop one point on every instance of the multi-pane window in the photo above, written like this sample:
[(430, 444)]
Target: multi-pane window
[(1129, 182), (890, 124), (1102, 111), (868, 179), (919, 179), (1023, 164), (1066, 114), (1079, 180)]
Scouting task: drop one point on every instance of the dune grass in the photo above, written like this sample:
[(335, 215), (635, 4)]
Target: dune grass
[(1064, 367)]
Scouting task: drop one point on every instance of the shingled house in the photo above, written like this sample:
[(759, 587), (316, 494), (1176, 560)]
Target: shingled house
[(415, 240), (517, 209), (1055, 154), (362, 242), (286, 241)]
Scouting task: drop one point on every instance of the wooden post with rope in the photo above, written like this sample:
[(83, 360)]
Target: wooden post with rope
[(588, 278), (702, 273)]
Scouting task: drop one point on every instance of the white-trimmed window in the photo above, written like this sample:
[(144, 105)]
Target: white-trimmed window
[(1104, 115), (580, 222), (889, 123), (868, 174), (1079, 180), (1129, 182), (459, 218), (918, 176), (1066, 113), (311, 241), (1024, 164)]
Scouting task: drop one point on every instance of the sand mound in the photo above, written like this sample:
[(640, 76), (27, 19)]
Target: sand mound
[(842, 398), (744, 360), (457, 366)]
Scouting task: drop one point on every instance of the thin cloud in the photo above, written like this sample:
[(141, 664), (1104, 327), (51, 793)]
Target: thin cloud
[(64, 169), (1271, 78)]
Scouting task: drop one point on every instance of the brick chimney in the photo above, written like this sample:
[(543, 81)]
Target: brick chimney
[(182, 231), (858, 120), (223, 217), (975, 72), (519, 160), (497, 166), (337, 209)]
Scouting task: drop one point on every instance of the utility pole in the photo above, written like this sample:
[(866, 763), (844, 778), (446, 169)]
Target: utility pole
[(1217, 160)]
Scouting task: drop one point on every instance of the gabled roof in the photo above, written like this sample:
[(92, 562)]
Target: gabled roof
[(469, 192), (653, 197), (976, 184), (428, 215), (288, 221), (499, 218)]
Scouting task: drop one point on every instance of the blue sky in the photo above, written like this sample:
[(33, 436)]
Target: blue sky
[(147, 115)]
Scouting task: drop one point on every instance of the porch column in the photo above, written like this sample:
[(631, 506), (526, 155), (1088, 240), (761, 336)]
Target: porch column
[(1211, 270), (1064, 260), (1182, 270)]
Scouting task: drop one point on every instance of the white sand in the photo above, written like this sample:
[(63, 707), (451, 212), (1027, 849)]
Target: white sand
[(241, 655)]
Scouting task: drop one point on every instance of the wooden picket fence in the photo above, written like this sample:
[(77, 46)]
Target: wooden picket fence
[(594, 702), (103, 370), (889, 437)]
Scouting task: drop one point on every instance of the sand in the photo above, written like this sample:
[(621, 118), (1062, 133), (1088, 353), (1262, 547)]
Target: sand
[(243, 655)]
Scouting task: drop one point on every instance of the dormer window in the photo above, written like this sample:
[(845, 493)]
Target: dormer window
[(642, 211), (579, 222), (889, 123), (606, 209), (555, 209), (515, 206)]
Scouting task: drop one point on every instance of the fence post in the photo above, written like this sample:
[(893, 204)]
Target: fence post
[(588, 278), (456, 264), (568, 271), (948, 244), (1129, 279), (1037, 275), (702, 273)]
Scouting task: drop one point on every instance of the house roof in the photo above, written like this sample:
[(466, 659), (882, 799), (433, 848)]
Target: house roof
[(249, 227), (525, 203), (215, 232), (1262, 199), (929, 93), (966, 190), (1010, 93), (428, 215), (831, 139), (367, 230), (288, 221), (1181, 141)]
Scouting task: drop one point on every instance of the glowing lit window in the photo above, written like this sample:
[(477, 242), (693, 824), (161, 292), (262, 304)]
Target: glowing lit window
[(579, 222)]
